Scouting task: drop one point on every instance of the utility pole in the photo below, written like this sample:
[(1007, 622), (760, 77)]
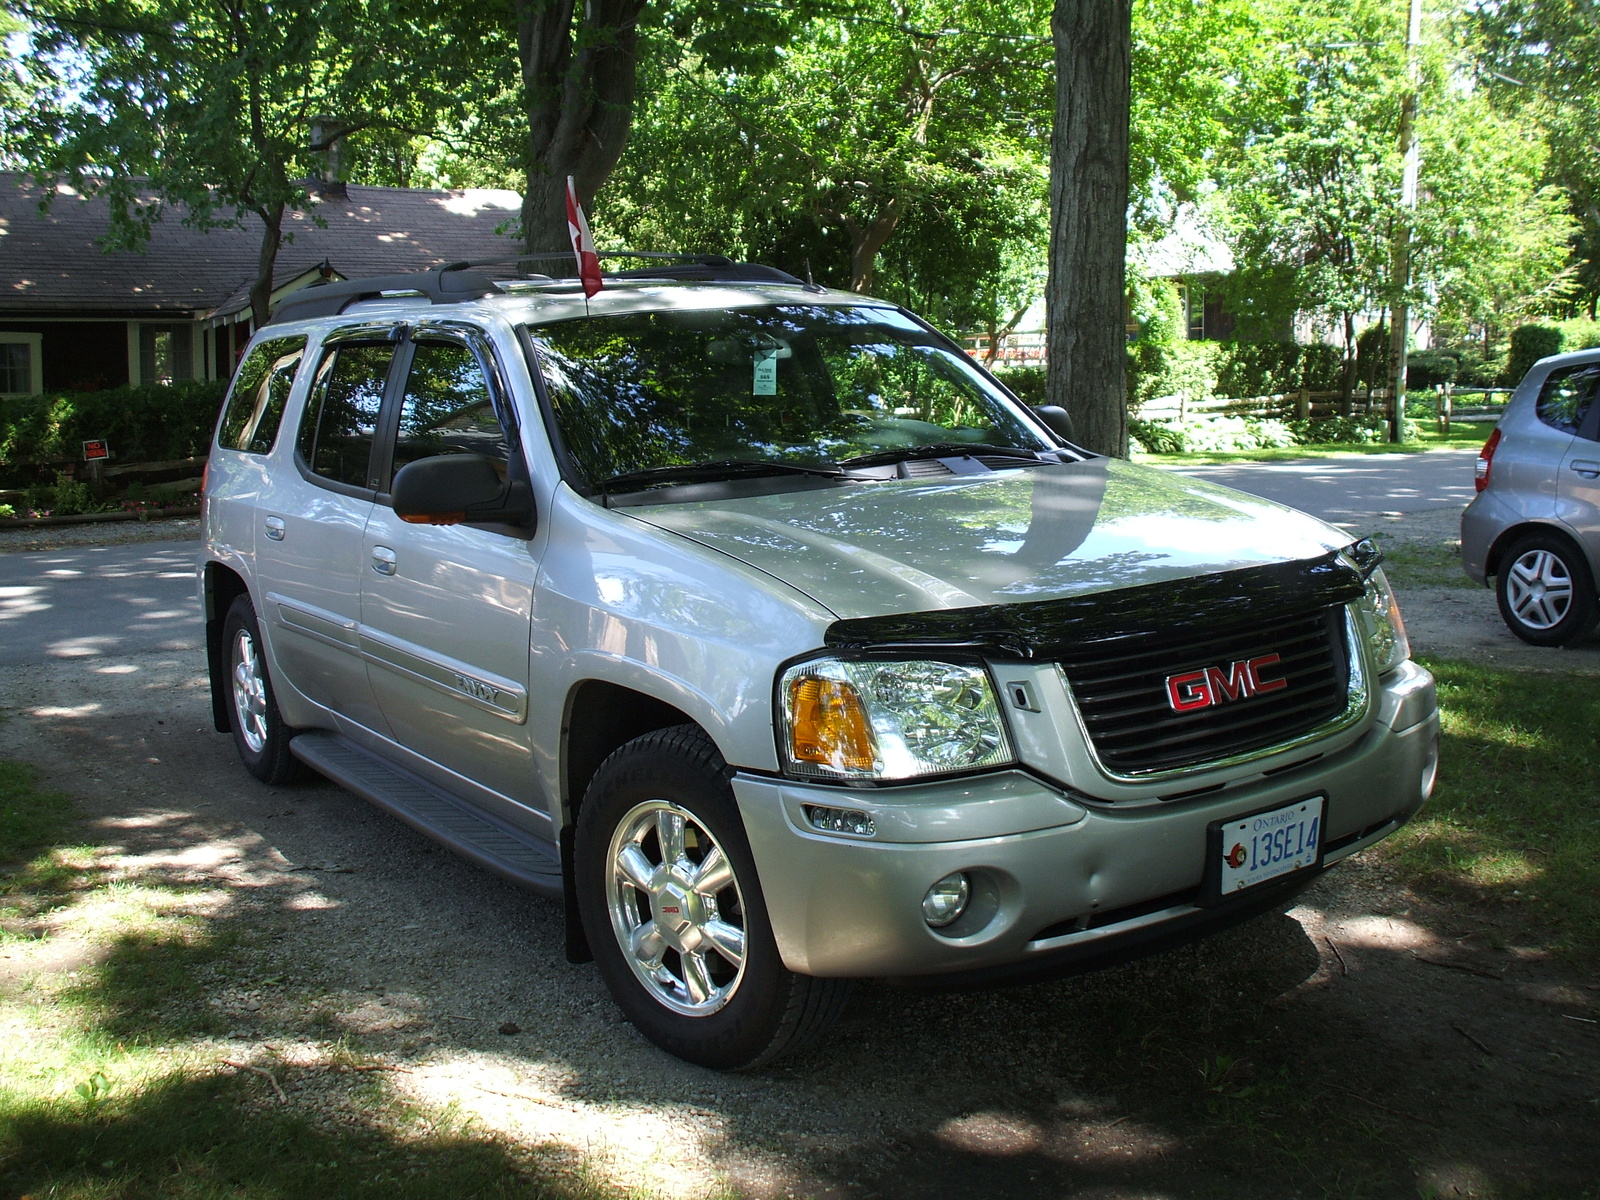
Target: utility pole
[(1400, 251)]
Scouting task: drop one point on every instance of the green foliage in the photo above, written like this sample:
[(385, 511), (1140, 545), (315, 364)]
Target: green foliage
[(1530, 343), (1026, 382), (1427, 369), (1159, 370), (1273, 368), (1220, 434), (151, 103), (145, 424)]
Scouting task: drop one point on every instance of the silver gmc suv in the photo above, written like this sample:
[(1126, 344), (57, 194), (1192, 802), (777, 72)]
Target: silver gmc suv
[(763, 628)]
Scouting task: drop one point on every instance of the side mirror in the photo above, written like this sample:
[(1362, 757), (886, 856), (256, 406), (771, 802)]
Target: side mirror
[(1057, 418), (448, 489)]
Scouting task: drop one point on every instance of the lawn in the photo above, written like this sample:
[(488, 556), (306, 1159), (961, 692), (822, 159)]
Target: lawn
[(1513, 831), (1462, 436), (115, 1075)]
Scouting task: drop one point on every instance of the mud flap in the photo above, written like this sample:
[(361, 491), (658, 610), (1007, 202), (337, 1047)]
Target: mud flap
[(577, 940)]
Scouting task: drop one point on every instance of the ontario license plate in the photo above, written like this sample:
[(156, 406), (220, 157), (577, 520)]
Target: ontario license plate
[(1251, 850)]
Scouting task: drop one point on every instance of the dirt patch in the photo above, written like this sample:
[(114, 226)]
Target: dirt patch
[(110, 533), (1370, 1042)]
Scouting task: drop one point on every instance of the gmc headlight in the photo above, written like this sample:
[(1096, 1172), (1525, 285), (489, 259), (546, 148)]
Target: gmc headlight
[(889, 720), (1378, 614)]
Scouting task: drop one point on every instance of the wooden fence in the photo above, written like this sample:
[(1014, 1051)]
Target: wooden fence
[(1307, 405)]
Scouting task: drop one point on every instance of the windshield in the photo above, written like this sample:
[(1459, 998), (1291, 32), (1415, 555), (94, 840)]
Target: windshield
[(805, 385)]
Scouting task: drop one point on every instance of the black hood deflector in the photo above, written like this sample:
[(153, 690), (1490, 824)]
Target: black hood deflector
[(1049, 628)]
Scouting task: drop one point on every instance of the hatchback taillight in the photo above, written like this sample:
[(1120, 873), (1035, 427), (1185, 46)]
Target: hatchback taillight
[(1485, 461)]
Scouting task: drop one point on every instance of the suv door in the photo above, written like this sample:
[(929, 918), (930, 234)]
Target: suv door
[(446, 611), (310, 556)]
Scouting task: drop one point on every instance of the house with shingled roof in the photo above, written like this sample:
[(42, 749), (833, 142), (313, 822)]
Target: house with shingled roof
[(75, 318)]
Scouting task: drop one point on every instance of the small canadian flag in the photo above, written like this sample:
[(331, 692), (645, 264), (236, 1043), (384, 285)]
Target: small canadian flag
[(582, 243)]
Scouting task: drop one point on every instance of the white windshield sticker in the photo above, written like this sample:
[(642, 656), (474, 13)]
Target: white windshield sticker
[(765, 382)]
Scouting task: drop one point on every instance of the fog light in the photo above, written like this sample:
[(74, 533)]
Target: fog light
[(946, 900), (1430, 769), (841, 820)]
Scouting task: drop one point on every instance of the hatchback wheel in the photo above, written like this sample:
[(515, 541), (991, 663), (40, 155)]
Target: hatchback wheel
[(674, 915), (259, 733), (1546, 595)]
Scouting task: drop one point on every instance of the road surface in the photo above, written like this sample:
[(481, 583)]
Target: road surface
[(1351, 489)]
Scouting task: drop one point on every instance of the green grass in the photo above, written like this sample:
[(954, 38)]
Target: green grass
[(1462, 436), (29, 819), (1410, 563), (1513, 829), (114, 1083)]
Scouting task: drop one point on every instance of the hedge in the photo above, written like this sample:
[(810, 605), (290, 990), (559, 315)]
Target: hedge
[(143, 424)]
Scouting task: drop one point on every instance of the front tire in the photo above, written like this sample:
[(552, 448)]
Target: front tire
[(259, 732), (673, 911), (1545, 592)]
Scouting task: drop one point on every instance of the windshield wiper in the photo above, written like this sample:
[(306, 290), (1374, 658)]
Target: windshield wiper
[(722, 468), (942, 450)]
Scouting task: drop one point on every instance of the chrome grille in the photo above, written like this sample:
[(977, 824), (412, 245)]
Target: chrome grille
[(1120, 685)]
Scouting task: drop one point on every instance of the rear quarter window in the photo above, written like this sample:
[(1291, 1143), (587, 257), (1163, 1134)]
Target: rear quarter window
[(254, 410), (1565, 397)]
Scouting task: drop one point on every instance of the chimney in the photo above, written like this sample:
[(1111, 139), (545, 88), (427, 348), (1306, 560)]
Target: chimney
[(327, 134)]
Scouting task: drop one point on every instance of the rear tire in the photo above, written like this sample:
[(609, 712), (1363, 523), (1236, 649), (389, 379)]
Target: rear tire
[(259, 732), (673, 911), (1545, 591)]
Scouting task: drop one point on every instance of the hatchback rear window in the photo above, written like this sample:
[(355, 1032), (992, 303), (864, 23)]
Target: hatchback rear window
[(260, 390), (1566, 395)]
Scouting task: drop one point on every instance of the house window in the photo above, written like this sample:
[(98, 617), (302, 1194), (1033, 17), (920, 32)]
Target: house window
[(21, 372), (165, 354)]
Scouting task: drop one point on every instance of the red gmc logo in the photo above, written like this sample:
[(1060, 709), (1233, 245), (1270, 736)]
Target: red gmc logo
[(1204, 688)]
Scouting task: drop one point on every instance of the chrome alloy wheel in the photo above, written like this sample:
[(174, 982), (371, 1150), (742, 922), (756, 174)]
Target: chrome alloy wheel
[(249, 691), (1539, 589), (675, 908)]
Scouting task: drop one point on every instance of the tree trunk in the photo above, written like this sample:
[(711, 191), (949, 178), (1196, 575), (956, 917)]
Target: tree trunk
[(1347, 376), (578, 78), (1085, 297), (266, 263), (866, 240)]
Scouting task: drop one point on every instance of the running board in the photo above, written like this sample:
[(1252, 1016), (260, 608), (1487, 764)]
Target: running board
[(472, 833)]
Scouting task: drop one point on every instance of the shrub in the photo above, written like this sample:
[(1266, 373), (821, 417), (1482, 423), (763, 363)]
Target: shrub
[(1428, 369), (1026, 382), (1210, 434), (1529, 343), (1246, 369), (145, 424), (1161, 370)]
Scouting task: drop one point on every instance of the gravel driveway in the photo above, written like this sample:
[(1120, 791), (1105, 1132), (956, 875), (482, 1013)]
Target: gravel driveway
[(1361, 1032)]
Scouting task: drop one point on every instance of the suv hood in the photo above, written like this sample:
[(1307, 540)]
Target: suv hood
[(1013, 536)]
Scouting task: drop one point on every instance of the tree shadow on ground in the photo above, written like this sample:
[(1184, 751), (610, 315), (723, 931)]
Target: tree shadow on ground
[(210, 1136)]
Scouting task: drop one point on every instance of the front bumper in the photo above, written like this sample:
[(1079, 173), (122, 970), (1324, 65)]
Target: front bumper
[(1057, 877)]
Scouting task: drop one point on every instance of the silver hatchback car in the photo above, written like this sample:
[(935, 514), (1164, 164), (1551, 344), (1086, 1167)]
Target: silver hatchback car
[(760, 626), (1534, 526)]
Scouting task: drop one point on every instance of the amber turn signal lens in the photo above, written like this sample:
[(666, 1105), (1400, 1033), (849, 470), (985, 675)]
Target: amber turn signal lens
[(829, 727)]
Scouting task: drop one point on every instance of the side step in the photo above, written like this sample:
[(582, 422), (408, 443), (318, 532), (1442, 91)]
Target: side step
[(470, 832)]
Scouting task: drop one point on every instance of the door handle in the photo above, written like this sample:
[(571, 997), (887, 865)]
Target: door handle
[(1588, 468), (274, 528), (383, 560)]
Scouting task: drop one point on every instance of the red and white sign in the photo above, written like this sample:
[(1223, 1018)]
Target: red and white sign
[(582, 243), (1210, 686), (96, 450)]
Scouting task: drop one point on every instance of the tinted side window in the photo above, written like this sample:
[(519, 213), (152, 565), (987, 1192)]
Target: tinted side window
[(447, 410), (342, 412), (1565, 397), (260, 390)]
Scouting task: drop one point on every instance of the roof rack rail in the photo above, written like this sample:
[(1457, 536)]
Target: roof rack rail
[(700, 268), (455, 283)]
